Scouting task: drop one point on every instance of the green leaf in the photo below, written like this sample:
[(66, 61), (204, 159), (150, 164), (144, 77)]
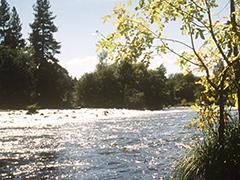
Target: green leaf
[(201, 34), (130, 2)]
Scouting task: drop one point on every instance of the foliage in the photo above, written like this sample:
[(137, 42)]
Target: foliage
[(41, 38), (13, 35), (212, 49), (183, 88), (31, 75), (4, 18), (32, 109), (155, 89), (54, 86), (99, 89), (53, 83), (209, 160), (127, 85), (17, 82)]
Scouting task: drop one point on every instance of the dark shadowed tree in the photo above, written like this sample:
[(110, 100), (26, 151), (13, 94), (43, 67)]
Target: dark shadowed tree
[(4, 18), (131, 85), (43, 28), (17, 82), (13, 35), (183, 88), (155, 89), (100, 89), (53, 85)]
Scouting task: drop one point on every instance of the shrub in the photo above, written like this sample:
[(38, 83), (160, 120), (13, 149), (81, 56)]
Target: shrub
[(32, 109), (209, 160)]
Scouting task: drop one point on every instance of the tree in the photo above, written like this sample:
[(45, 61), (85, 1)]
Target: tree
[(54, 85), (41, 38), (183, 88), (13, 35), (123, 85), (100, 88), (4, 18), (212, 40), (212, 49), (234, 47), (155, 88), (17, 81)]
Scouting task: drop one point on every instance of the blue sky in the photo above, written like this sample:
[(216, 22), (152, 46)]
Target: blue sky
[(77, 22)]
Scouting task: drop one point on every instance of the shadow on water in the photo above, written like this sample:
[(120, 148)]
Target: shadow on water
[(27, 153), (35, 166)]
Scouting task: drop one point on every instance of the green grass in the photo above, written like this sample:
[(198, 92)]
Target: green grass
[(208, 160)]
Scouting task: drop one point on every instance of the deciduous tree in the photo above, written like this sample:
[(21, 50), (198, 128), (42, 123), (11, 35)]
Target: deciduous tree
[(212, 41)]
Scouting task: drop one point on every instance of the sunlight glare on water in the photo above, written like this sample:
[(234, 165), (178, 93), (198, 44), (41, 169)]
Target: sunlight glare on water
[(92, 143)]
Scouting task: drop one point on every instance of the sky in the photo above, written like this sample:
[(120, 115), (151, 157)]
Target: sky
[(77, 22)]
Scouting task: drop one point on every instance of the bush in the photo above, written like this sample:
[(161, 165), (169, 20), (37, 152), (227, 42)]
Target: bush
[(17, 83), (32, 109), (209, 160)]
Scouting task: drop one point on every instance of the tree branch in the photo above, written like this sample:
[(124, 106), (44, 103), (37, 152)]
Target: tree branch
[(213, 35), (201, 60)]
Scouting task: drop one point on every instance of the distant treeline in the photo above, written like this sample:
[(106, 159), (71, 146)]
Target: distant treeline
[(30, 73), (133, 85)]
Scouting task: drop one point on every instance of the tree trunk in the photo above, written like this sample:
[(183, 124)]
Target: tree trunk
[(235, 51), (221, 118), (238, 99)]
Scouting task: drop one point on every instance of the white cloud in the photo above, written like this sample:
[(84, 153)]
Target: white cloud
[(78, 66), (168, 61)]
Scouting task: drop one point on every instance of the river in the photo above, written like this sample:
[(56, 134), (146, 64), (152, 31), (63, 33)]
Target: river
[(92, 143)]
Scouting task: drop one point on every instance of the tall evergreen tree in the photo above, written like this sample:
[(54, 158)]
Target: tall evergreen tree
[(41, 38), (13, 37), (53, 83), (4, 19)]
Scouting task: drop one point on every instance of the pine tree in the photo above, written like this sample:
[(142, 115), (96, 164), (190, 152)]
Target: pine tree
[(4, 19), (13, 35), (41, 38), (52, 81)]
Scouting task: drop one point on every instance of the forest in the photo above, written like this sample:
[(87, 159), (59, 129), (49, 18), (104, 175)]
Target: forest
[(30, 73), (134, 86)]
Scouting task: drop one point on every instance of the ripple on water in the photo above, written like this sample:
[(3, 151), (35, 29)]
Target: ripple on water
[(92, 143)]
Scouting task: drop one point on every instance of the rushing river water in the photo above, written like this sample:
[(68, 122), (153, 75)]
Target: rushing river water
[(92, 143)]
